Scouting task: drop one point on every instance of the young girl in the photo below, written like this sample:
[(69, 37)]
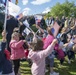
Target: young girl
[(17, 50), (47, 41), (50, 58), (38, 55)]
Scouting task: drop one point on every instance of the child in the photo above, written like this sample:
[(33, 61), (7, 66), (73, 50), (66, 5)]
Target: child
[(38, 55), (17, 50), (47, 41), (50, 58), (5, 64)]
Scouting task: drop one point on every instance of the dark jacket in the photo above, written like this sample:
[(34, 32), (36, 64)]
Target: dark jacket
[(2, 56), (73, 32), (64, 36), (10, 25), (5, 65)]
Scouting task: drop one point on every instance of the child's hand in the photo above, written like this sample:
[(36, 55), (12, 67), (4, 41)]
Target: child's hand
[(4, 33), (24, 40), (55, 41), (37, 27)]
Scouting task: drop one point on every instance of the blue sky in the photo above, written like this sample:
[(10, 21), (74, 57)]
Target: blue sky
[(37, 6)]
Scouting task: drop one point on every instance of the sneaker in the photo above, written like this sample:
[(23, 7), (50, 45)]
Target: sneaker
[(54, 73), (46, 70)]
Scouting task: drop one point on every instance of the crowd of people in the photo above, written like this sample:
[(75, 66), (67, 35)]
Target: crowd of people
[(40, 48)]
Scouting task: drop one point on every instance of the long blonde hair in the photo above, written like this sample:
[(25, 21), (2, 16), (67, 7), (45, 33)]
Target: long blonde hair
[(14, 34)]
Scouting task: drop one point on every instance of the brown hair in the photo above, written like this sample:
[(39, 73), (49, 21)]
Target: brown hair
[(37, 45), (49, 30)]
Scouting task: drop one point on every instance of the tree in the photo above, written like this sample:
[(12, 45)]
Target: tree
[(67, 9), (1, 21), (2, 8)]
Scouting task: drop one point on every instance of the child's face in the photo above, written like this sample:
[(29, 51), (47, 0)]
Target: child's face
[(17, 37)]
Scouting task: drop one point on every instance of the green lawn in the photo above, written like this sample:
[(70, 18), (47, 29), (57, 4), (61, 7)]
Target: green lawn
[(66, 69)]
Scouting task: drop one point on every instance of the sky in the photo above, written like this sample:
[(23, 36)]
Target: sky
[(37, 6)]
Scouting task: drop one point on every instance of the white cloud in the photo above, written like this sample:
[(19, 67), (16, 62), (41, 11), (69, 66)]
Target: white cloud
[(24, 2), (26, 11), (46, 10), (39, 2)]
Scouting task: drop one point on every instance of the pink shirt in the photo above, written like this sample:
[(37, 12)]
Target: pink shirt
[(48, 41), (38, 59), (17, 50)]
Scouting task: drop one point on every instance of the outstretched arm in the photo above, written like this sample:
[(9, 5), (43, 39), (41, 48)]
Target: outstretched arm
[(49, 49)]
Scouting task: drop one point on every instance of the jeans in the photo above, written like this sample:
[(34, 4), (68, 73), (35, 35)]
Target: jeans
[(0, 73)]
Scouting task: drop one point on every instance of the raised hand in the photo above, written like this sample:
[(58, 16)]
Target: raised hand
[(55, 41)]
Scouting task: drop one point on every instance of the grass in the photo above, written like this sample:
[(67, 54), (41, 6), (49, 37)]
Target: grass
[(25, 69), (65, 69)]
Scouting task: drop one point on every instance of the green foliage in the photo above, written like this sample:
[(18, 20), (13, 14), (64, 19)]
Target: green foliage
[(1, 21), (67, 9), (33, 27), (2, 8)]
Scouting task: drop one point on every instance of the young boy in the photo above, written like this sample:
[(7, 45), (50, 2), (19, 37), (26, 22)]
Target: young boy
[(5, 64)]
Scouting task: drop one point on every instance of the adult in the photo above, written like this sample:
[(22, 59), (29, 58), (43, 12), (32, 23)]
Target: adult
[(63, 21), (43, 24), (10, 25), (66, 22)]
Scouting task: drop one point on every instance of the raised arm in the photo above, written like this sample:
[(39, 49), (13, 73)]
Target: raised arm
[(49, 49), (40, 28)]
